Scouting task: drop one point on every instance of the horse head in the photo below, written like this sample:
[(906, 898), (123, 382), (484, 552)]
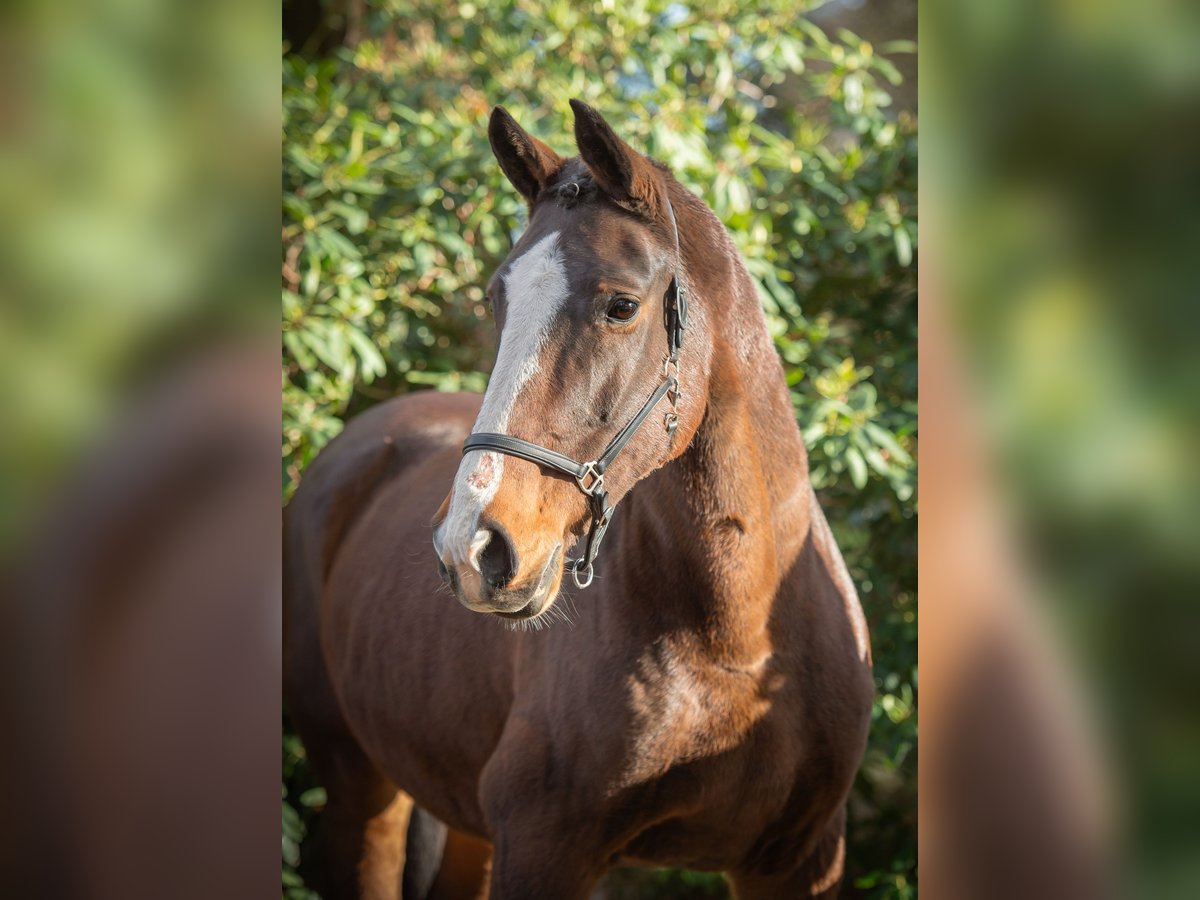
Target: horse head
[(583, 307)]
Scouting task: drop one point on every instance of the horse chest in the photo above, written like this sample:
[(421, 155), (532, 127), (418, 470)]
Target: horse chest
[(702, 763), (695, 717)]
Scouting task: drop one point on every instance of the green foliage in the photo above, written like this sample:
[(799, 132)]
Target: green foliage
[(395, 214), (301, 798)]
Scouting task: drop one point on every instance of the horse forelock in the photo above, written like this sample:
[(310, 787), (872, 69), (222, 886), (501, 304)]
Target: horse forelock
[(572, 184)]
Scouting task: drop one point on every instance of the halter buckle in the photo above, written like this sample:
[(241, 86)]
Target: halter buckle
[(590, 481)]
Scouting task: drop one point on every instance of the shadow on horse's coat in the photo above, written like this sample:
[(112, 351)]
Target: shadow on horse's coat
[(707, 703)]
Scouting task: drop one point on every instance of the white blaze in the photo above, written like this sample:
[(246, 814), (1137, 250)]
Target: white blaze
[(535, 289)]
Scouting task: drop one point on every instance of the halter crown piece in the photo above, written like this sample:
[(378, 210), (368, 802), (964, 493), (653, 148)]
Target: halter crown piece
[(590, 475)]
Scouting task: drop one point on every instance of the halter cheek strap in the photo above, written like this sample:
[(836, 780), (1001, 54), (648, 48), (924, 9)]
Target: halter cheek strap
[(589, 476)]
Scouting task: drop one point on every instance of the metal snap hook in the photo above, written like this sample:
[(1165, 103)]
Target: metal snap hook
[(580, 582)]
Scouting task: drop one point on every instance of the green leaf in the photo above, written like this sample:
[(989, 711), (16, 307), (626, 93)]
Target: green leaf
[(903, 245), (373, 365), (885, 440), (857, 466), (313, 797)]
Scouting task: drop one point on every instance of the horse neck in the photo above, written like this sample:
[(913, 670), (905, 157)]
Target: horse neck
[(725, 520)]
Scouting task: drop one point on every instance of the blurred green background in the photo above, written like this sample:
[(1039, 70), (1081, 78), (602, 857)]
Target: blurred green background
[(799, 134), (139, 164), (1060, 188)]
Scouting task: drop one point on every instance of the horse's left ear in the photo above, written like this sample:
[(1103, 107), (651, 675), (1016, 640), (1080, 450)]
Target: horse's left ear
[(625, 175)]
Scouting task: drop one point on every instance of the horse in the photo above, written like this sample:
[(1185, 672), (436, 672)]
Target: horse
[(695, 693)]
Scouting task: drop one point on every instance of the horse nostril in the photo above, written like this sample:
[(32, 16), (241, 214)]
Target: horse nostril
[(443, 572), (497, 562)]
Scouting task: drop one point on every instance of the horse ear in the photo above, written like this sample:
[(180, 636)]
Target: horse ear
[(625, 175), (525, 161)]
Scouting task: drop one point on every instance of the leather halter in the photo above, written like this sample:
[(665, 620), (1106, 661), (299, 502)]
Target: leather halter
[(590, 475)]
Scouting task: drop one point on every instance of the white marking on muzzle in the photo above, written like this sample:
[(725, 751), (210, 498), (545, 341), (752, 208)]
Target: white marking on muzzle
[(535, 289)]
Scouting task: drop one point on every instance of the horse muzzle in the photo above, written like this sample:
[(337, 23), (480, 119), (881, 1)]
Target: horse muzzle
[(492, 578)]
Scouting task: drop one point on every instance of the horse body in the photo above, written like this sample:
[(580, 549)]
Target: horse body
[(707, 704)]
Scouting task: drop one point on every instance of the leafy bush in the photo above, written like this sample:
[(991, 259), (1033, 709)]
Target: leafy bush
[(395, 214)]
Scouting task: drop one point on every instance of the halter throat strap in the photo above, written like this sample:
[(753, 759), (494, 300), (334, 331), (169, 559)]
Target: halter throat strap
[(589, 475)]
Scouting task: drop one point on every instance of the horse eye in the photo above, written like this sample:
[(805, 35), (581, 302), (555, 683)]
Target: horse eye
[(623, 309)]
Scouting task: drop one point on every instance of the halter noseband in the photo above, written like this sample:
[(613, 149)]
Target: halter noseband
[(590, 475)]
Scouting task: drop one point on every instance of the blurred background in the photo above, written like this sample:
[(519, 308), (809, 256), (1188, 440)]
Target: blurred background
[(139, 504), (1060, 375), (139, 425), (799, 133)]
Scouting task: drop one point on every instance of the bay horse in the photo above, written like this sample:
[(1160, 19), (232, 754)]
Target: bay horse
[(705, 702)]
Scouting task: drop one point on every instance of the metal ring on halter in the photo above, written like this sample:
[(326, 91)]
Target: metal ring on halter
[(579, 582)]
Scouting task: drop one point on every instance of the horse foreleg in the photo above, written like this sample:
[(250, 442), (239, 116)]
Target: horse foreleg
[(362, 828), (542, 846), (441, 863), (820, 875), (462, 871), (546, 865)]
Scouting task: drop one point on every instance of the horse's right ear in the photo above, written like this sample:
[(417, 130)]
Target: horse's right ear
[(624, 174), (526, 162)]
